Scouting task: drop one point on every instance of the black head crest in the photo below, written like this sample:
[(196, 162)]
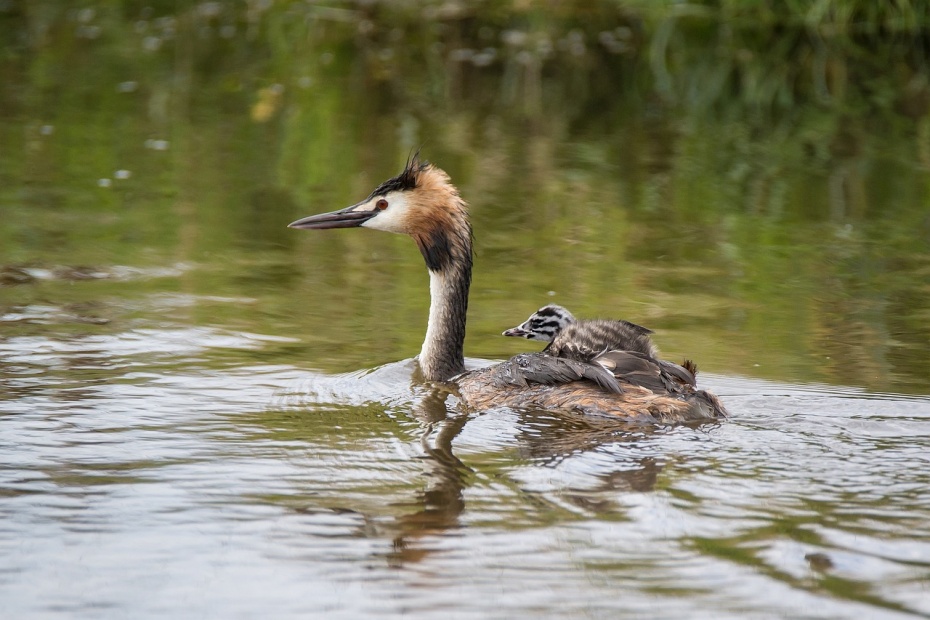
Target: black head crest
[(406, 180)]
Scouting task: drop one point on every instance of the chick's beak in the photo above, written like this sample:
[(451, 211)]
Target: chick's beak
[(516, 332), (343, 218)]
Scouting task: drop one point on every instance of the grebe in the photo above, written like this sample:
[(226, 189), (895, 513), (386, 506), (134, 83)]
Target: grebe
[(422, 202), (587, 340), (582, 340)]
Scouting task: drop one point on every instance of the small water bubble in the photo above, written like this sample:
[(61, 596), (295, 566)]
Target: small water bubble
[(127, 87), (326, 58), (104, 182), (386, 54), (47, 130), (122, 174), (85, 15), (551, 293), (305, 81)]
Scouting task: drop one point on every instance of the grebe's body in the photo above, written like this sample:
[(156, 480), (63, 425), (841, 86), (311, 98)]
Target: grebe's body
[(422, 203)]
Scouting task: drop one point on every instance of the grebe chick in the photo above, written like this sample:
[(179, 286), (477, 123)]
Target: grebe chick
[(582, 339), (586, 340), (422, 202)]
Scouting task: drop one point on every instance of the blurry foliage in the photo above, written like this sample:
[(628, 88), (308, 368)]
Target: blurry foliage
[(748, 176)]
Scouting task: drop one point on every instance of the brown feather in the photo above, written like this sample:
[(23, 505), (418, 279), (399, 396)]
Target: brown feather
[(637, 404), (584, 340)]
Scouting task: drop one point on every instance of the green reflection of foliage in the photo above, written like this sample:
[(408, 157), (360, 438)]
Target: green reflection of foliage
[(749, 178)]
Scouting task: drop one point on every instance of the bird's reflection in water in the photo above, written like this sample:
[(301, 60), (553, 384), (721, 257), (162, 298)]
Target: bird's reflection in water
[(550, 438), (546, 440), (441, 502)]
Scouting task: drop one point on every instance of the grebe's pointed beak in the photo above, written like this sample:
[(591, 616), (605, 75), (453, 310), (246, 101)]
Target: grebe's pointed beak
[(350, 217), (516, 332)]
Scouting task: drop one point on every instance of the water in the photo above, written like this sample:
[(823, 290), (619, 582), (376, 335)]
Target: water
[(273, 489), (205, 414)]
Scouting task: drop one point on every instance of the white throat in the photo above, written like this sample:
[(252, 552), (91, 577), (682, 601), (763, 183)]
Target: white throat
[(441, 357), (437, 316)]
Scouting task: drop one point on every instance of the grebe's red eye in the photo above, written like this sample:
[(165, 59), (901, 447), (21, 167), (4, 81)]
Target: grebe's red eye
[(381, 205)]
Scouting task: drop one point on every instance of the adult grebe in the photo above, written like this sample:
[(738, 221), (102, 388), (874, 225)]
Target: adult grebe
[(422, 202)]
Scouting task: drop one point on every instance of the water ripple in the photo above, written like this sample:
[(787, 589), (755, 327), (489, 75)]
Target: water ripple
[(271, 486)]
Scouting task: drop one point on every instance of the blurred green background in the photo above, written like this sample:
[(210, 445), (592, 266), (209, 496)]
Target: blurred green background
[(748, 178)]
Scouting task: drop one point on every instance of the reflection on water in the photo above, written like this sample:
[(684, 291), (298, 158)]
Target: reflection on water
[(170, 488), (203, 413)]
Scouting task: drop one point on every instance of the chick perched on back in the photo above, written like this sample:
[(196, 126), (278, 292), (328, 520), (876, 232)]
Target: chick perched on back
[(616, 345), (583, 340)]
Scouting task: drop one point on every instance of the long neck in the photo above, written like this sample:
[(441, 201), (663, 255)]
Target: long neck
[(442, 356)]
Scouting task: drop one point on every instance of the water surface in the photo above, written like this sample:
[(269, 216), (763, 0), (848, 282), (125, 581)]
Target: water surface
[(203, 413)]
